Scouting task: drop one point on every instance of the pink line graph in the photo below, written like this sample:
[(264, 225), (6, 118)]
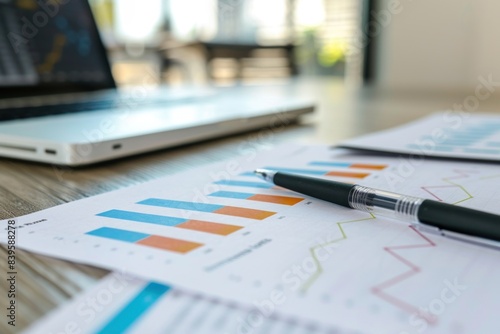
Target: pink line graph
[(460, 174), (428, 189), (379, 290)]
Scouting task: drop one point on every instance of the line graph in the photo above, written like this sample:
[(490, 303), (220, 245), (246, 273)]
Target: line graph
[(490, 177), (54, 56), (451, 184), (313, 250), (380, 289)]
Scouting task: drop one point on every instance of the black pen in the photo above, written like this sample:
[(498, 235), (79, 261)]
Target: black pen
[(430, 216)]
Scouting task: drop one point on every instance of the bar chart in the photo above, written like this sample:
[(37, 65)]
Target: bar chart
[(155, 308), (196, 225), (469, 136), (154, 241), (334, 173), (262, 192), (212, 208), (481, 137), (250, 184), (349, 165), (177, 245), (284, 200), (140, 304), (342, 169)]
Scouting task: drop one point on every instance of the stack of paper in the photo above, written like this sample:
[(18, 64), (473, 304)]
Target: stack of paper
[(451, 134)]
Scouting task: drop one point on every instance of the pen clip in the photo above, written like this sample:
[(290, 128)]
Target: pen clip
[(457, 236)]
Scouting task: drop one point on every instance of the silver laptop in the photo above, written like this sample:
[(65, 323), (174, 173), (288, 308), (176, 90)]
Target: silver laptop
[(59, 103)]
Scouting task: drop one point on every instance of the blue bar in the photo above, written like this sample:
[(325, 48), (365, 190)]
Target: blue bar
[(493, 144), (231, 194), (142, 217), (245, 184), (444, 148), (139, 305), (477, 133), (117, 234), (330, 164), (247, 174), (166, 203), (298, 171), (458, 143), (435, 148), (481, 150), (492, 126), (469, 135)]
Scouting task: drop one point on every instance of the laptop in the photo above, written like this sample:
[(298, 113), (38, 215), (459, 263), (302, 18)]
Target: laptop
[(59, 103)]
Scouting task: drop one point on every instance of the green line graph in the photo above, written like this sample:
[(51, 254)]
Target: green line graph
[(451, 183), (490, 177), (310, 281)]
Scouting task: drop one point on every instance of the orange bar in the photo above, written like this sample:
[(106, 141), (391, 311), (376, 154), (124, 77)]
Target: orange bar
[(244, 212), (285, 200), (170, 244), (215, 228), (368, 166), (349, 174)]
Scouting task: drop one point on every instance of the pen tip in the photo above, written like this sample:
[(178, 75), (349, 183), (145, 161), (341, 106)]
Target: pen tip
[(267, 175)]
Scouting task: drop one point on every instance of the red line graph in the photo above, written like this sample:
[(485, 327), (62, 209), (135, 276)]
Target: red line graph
[(461, 174), (380, 289), (428, 189), (450, 183)]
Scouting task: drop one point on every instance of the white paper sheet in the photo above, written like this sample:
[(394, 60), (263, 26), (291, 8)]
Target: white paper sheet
[(448, 134), (123, 304), (312, 260)]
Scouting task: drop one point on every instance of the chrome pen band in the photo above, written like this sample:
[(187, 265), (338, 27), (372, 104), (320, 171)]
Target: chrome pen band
[(384, 203)]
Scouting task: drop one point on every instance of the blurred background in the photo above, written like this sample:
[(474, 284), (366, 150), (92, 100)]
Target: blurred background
[(395, 44), (226, 42)]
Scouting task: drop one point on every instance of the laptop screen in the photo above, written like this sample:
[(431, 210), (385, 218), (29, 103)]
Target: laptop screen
[(50, 47)]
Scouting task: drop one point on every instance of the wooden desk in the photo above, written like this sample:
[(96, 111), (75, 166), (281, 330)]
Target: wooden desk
[(44, 283)]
